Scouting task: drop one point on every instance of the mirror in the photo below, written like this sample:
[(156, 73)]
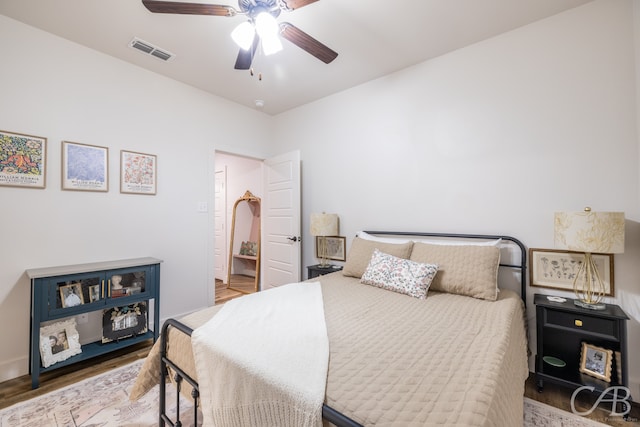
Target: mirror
[(243, 272)]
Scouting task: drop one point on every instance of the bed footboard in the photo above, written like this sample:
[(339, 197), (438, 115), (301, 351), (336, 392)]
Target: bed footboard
[(179, 376), (328, 413)]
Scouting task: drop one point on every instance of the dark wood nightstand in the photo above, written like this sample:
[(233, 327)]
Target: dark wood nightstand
[(316, 270), (561, 329)]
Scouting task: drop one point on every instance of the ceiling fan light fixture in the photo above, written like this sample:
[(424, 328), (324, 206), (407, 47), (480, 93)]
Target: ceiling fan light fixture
[(243, 35), (266, 25), (271, 45)]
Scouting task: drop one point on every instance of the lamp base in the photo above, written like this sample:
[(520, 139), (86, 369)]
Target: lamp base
[(590, 306)]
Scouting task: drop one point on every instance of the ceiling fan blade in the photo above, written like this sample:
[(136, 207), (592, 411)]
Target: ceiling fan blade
[(295, 4), (189, 8), (306, 42), (245, 57)]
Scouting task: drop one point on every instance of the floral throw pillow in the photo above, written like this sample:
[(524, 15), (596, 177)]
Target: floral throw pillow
[(399, 275)]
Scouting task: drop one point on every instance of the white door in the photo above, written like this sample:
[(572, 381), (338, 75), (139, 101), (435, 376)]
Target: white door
[(220, 251), (281, 221)]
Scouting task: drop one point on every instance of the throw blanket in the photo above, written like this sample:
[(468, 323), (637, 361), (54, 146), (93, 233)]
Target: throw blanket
[(263, 359)]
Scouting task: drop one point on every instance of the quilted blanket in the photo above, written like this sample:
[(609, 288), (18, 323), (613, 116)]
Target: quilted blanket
[(398, 361)]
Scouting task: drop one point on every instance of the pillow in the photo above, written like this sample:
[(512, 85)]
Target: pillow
[(463, 270), (450, 241), (399, 275), (366, 236), (361, 250)]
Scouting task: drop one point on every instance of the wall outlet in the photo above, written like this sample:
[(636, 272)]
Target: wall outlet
[(82, 318), (203, 207)]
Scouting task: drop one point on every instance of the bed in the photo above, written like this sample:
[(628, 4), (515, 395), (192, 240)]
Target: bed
[(455, 356)]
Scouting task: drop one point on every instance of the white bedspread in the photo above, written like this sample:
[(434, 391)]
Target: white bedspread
[(263, 359)]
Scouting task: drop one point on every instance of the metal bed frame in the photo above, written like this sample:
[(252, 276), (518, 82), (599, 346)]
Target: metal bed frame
[(329, 414)]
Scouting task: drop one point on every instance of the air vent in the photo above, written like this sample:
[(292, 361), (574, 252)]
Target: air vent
[(150, 49)]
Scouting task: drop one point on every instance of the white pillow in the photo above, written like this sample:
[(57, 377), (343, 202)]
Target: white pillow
[(450, 241), (366, 236), (399, 274)]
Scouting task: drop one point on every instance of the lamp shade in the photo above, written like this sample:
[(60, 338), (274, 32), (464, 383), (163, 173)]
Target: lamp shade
[(324, 224), (587, 231)]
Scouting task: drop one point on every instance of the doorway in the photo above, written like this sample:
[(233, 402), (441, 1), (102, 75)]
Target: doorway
[(276, 181), (234, 175)]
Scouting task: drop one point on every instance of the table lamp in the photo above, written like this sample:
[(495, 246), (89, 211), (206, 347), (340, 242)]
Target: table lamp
[(589, 232), (323, 225)]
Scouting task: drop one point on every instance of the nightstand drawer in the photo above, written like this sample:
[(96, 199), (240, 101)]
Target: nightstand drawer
[(580, 322)]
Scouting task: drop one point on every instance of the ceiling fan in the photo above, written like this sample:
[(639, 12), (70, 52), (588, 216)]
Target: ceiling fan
[(261, 26)]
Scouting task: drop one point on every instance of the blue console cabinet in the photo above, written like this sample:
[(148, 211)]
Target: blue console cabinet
[(99, 286)]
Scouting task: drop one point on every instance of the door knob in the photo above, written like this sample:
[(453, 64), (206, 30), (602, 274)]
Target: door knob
[(294, 239)]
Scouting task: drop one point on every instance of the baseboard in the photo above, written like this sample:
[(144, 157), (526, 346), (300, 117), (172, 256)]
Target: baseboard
[(14, 368)]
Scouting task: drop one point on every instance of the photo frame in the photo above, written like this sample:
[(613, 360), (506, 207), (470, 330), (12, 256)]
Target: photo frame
[(138, 173), (94, 293), (71, 295), (85, 167), (335, 248), (59, 341), (596, 361), (557, 269), (124, 322), (23, 160)]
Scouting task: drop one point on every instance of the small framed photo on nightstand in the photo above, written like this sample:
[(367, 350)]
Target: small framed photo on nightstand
[(596, 361)]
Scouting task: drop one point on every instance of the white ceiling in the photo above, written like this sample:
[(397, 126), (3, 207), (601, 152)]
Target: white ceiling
[(372, 37)]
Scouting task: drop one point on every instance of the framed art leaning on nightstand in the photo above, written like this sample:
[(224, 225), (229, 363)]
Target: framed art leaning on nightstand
[(335, 248), (557, 269)]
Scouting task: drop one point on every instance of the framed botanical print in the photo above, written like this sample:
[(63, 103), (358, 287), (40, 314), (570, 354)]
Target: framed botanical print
[(84, 167), (23, 160), (557, 269), (137, 172)]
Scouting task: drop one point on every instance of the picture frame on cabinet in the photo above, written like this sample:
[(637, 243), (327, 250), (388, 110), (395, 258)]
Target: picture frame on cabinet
[(596, 361), (557, 269), (138, 173), (59, 341), (23, 160), (335, 246), (85, 167), (124, 322), (94, 293), (71, 295)]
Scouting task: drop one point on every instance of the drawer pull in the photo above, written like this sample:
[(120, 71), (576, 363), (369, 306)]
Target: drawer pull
[(578, 323)]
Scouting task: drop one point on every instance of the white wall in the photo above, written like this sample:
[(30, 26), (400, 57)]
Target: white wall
[(492, 138), (63, 91)]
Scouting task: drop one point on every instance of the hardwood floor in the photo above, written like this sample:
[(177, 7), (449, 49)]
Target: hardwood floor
[(19, 389)]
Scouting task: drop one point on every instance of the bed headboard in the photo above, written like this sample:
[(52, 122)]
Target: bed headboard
[(513, 255)]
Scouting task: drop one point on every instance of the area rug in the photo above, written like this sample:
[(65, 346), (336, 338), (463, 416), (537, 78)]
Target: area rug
[(103, 401), (100, 401)]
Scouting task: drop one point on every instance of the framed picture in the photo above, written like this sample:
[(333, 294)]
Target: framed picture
[(59, 341), (596, 361), (137, 173), (71, 295), (23, 160), (335, 248), (94, 293), (84, 167), (124, 322), (558, 269)]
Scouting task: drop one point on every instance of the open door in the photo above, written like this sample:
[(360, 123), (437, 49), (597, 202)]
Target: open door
[(281, 220)]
